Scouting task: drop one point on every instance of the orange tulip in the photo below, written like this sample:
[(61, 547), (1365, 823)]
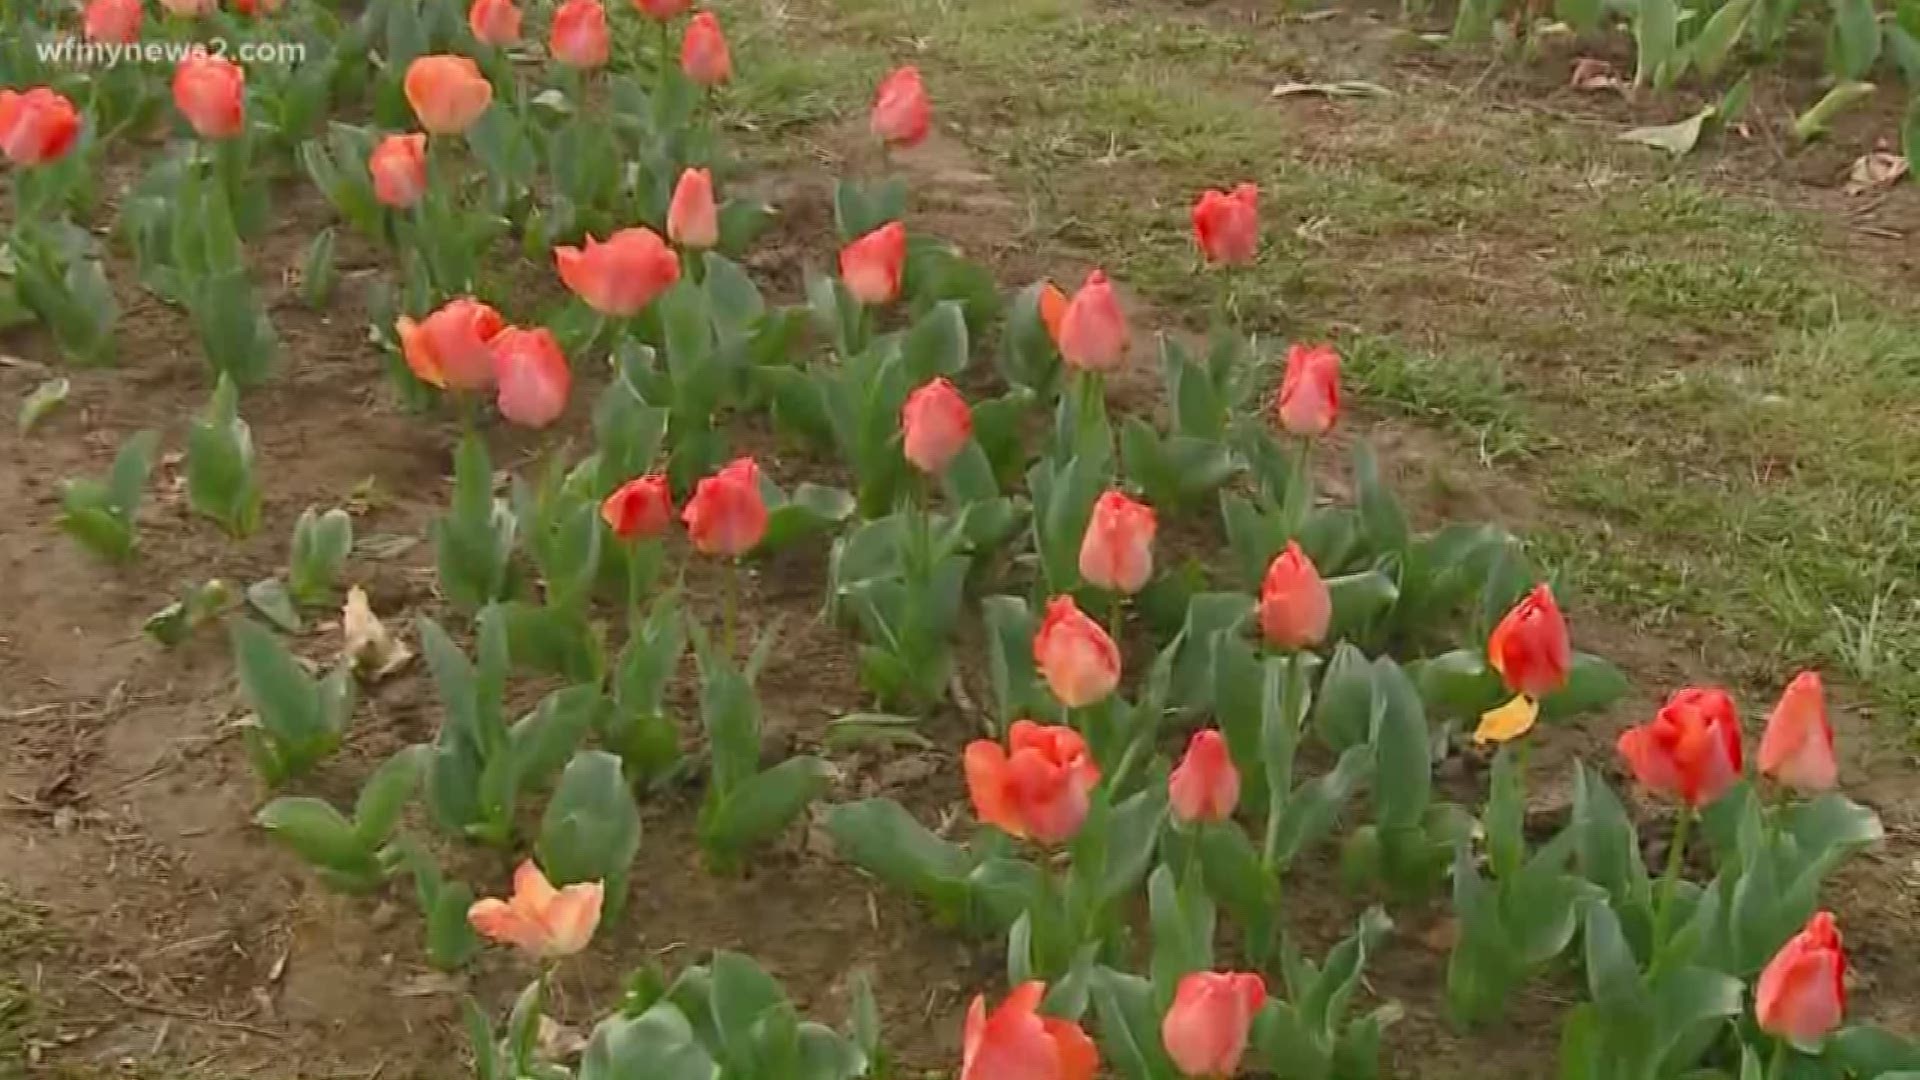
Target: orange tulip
[(662, 10), (1295, 606), (1310, 391), (580, 38), (1529, 648), (1093, 330), (871, 266), (901, 114), (399, 169), (1205, 786), (1205, 1030), (210, 91), (1079, 661), (1797, 748), (935, 425), (114, 21), (1802, 993), (1117, 551), (36, 127), (494, 22), (532, 374), (692, 219), (1227, 227), (1037, 787), (703, 52), (640, 508), (1690, 750), (545, 922), (1053, 310), (727, 514), (448, 93), (453, 347), (621, 276), (1015, 1042)]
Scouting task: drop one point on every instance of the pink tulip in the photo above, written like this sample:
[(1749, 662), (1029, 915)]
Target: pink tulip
[(114, 21), (703, 52), (692, 219), (37, 127), (580, 38), (872, 265), (1093, 332), (494, 22), (211, 92), (901, 114), (1116, 553), (1802, 993), (1205, 1031), (1227, 227), (399, 169), (448, 93), (1080, 663), (935, 425), (727, 514), (1797, 748), (640, 509), (453, 347), (1690, 750), (621, 276), (661, 10), (1037, 787), (1205, 786), (1310, 391), (532, 374), (543, 921), (1295, 607), (1015, 1042)]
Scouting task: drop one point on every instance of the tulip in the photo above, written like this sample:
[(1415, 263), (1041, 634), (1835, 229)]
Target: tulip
[(1310, 391), (1204, 786), (1529, 648), (448, 93), (545, 922), (621, 276), (1053, 310), (1797, 748), (1205, 1030), (453, 347), (1093, 330), (1037, 787), (901, 115), (36, 127), (114, 21), (935, 425), (727, 514), (1802, 992), (399, 168), (580, 38), (190, 9), (1117, 551), (662, 10), (532, 374), (250, 8), (692, 220), (871, 266), (494, 22), (1016, 1043), (1227, 227), (703, 52), (1295, 606), (210, 91), (640, 509), (1079, 661), (1690, 750)]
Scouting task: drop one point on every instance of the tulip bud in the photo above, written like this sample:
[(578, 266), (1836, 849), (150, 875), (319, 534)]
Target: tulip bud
[(112, 21), (1116, 553), (1205, 786), (1015, 1041), (640, 509), (448, 93), (1309, 400), (1295, 607), (1529, 648), (935, 425), (1797, 748), (210, 91), (901, 115), (1093, 330), (399, 169), (1802, 993), (580, 38), (621, 276), (494, 22), (692, 219), (453, 347), (533, 376), (37, 127), (1080, 663), (1053, 310), (1227, 227), (872, 265), (727, 514), (1205, 1031), (1036, 788), (1690, 750), (703, 52), (661, 10)]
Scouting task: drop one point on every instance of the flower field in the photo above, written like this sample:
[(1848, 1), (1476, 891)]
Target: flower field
[(598, 539)]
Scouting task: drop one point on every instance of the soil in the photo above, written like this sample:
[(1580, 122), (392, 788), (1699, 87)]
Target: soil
[(147, 928)]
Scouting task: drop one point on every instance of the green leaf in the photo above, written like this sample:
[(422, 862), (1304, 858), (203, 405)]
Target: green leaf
[(321, 544), (1403, 749), (881, 837), (936, 345), (1910, 129), (317, 833), (811, 510), (1656, 29), (591, 828), (1677, 138), (268, 596), (1608, 851), (742, 993), (1853, 39), (293, 715), (1458, 685), (1381, 519), (758, 808), (318, 272), (659, 1044), (386, 794), (1183, 927), (1710, 49), (41, 403), (545, 738), (1129, 1027), (1593, 683), (1358, 599), (1343, 716), (1813, 123), (1613, 975), (1131, 831)]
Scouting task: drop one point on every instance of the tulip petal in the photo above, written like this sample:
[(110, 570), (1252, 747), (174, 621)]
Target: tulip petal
[(1508, 722)]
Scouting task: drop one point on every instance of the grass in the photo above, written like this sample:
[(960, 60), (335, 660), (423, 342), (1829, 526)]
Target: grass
[(1713, 409)]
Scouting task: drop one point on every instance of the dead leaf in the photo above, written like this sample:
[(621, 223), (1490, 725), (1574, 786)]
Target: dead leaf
[(1592, 74), (430, 984), (1874, 171), (1675, 139), (1343, 88), (370, 648), (558, 1042)]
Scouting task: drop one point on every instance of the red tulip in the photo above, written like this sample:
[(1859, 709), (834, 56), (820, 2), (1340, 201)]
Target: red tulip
[(494, 22), (1053, 310), (1529, 648), (1117, 551), (1310, 392), (36, 127), (453, 347), (533, 376), (580, 38), (1205, 1031), (871, 266), (935, 425), (1802, 992), (448, 93), (210, 91), (621, 276), (1691, 748), (662, 10), (1227, 227), (901, 115), (1093, 330), (1079, 661), (1295, 606), (1797, 748), (251, 8), (399, 168), (546, 922), (692, 219), (727, 514), (114, 21), (1204, 786), (641, 508), (1016, 1043), (703, 52), (1036, 788)]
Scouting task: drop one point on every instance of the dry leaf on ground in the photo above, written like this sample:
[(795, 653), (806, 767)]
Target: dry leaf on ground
[(1873, 171), (370, 647)]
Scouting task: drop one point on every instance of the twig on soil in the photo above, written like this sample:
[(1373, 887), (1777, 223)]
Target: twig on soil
[(957, 687), (158, 1009)]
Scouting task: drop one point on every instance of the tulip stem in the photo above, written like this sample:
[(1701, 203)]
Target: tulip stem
[(1669, 882), (1116, 616), (731, 602), (1777, 1069), (1121, 772)]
